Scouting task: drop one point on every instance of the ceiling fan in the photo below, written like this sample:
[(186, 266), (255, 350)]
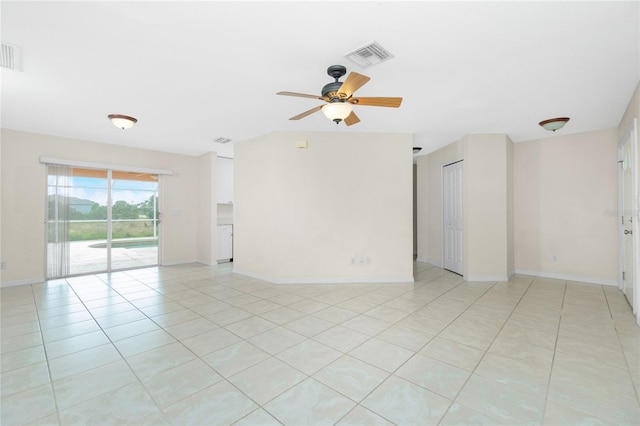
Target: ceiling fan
[(339, 97)]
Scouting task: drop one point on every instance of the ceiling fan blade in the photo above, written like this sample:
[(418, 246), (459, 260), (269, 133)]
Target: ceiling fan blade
[(353, 82), (304, 114), (301, 95), (351, 119), (383, 102)]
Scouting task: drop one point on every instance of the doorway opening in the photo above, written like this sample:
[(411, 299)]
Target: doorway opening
[(100, 220)]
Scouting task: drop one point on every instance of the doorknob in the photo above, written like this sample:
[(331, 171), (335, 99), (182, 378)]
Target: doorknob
[(627, 232)]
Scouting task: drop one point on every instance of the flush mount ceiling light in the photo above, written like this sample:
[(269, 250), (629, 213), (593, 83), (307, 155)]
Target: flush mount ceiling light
[(554, 124), (122, 121), (337, 111)]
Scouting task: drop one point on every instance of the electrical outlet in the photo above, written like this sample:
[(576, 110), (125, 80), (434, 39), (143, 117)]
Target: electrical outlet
[(3, 264), (361, 261)]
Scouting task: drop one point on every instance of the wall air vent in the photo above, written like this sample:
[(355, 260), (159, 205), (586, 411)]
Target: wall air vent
[(222, 140), (370, 54), (11, 57)]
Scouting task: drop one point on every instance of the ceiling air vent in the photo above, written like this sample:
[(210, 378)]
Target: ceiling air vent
[(222, 140), (11, 57), (370, 54)]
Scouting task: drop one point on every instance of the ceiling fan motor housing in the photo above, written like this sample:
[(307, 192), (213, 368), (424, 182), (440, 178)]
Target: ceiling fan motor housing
[(331, 90)]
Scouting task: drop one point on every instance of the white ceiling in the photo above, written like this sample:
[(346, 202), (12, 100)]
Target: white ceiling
[(194, 71)]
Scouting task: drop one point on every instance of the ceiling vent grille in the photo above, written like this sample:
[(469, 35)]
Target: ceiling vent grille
[(11, 57), (222, 140), (370, 54)]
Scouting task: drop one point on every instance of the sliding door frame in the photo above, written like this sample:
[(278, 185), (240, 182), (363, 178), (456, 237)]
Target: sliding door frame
[(109, 168)]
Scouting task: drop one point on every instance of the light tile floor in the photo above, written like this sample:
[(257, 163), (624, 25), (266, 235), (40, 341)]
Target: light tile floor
[(192, 344)]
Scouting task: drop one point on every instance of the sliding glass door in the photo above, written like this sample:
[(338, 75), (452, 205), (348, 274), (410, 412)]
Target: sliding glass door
[(134, 220), (100, 220)]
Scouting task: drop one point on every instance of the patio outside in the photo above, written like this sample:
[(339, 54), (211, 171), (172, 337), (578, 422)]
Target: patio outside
[(91, 256)]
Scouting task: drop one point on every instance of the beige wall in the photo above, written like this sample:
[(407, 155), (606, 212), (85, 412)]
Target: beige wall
[(563, 188), (488, 216), (302, 215), (632, 111), (527, 202), (487, 211), (429, 210), (23, 195), (415, 209), (511, 265), (207, 210)]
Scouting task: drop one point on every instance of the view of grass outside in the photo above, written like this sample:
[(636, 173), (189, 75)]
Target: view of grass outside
[(81, 231), (90, 222), (97, 230)]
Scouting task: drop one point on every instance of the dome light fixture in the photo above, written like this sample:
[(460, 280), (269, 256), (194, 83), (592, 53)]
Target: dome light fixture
[(337, 111), (554, 124), (122, 121)]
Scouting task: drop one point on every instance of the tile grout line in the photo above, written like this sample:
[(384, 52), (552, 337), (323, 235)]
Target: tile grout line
[(487, 350), (415, 352), (634, 385), (111, 342), (44, 349), (198, 277), (553, 357), (357, 403)]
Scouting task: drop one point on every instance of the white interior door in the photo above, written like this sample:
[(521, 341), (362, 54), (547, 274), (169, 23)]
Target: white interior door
[(453, 218), (627, 216)]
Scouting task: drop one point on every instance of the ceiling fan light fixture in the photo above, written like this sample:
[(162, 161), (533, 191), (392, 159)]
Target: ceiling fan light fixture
[(122, 121), (554, 124), (337, 111)]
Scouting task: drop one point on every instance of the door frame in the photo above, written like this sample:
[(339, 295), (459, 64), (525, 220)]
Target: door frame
[(442, 213), (631, 132)]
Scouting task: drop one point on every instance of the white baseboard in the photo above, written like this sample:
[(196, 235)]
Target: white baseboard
[(16, 283), (430, 262), (567, 277), (202, 262), (252, 274), (485, 278), (385, 280), (179, 262)]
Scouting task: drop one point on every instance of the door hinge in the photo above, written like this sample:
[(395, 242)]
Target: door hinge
[(624, 275)]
